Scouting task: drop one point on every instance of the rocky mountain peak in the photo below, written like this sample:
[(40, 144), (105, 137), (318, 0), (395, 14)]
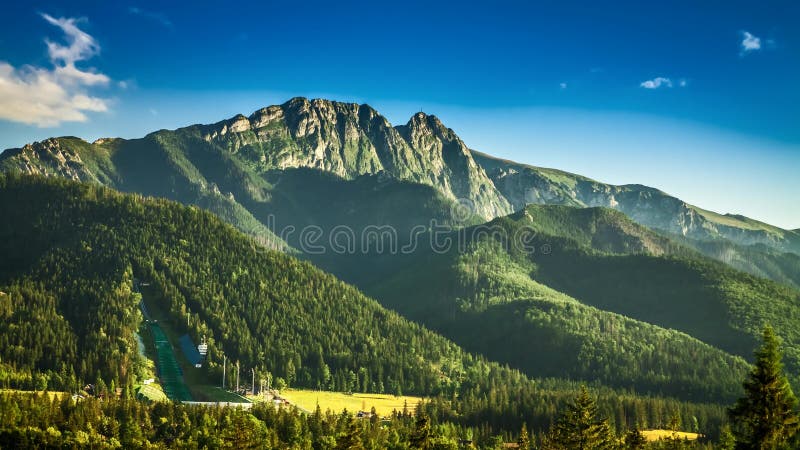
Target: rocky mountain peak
[(49, 158), (422, 124), (347, 139)]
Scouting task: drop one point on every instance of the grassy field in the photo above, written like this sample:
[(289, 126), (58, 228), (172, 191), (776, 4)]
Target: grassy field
[(654, 435), (52, 394), (338, 401), (152, 392)]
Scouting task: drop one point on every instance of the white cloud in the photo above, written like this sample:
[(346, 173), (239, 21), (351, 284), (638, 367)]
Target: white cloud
[(562, 85), (750, 43), (656, 83), (47, 97), (155, 16)]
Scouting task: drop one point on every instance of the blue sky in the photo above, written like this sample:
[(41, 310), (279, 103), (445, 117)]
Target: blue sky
[(699, 99)]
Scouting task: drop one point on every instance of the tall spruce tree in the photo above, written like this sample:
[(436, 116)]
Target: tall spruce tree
[(765, 418), (351, 438), (422, 436), (634, 439), (580, 428), (524, 441)]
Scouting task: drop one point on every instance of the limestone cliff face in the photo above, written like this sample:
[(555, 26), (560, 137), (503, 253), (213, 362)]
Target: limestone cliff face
[(48, 158), (346, 139), (449, 163), (349, 140)]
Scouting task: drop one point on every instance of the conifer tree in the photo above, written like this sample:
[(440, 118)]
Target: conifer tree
[(351, 439), (524, 440), (580, 428), (634, 439), (726, 439), (765, 418), (422, 437)]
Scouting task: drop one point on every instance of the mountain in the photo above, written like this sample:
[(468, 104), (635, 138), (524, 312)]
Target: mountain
[(70, 253), (523, 184), (597, 293), (227, 167), (291, 174), (757, 259), (345, 139), (349, 140)]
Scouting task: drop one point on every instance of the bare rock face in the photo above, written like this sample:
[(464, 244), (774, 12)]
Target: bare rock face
[(50, 158), (644, 205), (349, 140), (448, 161)]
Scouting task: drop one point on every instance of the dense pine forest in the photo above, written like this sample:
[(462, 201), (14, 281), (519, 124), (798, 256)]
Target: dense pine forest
[(73, 251), (765, 418), (614, 300)]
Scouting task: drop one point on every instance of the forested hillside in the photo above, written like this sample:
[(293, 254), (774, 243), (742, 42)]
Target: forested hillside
[(71, 252), (67, 247), (587, 291), (757, 259), (743, 243), (523, 184)]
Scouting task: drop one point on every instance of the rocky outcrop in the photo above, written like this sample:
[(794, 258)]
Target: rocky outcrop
[(48, 158), (349, 140), (346, 139)]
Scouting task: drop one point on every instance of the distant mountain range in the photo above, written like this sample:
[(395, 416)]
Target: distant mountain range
[(523, 184), (744, 243)]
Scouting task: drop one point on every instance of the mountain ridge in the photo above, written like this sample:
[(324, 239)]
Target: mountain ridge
[(225, 167), (583, 265), (309, 119), (692, 221), (350, 139)]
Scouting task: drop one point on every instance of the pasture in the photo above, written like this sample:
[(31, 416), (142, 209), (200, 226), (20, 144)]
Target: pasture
[(655, 435), (337, 401)]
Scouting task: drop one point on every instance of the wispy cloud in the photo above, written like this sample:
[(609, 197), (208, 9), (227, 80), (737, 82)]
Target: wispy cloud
[(47, 97), (750, 43), (157, 17), (562, 85), (656, 83)]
